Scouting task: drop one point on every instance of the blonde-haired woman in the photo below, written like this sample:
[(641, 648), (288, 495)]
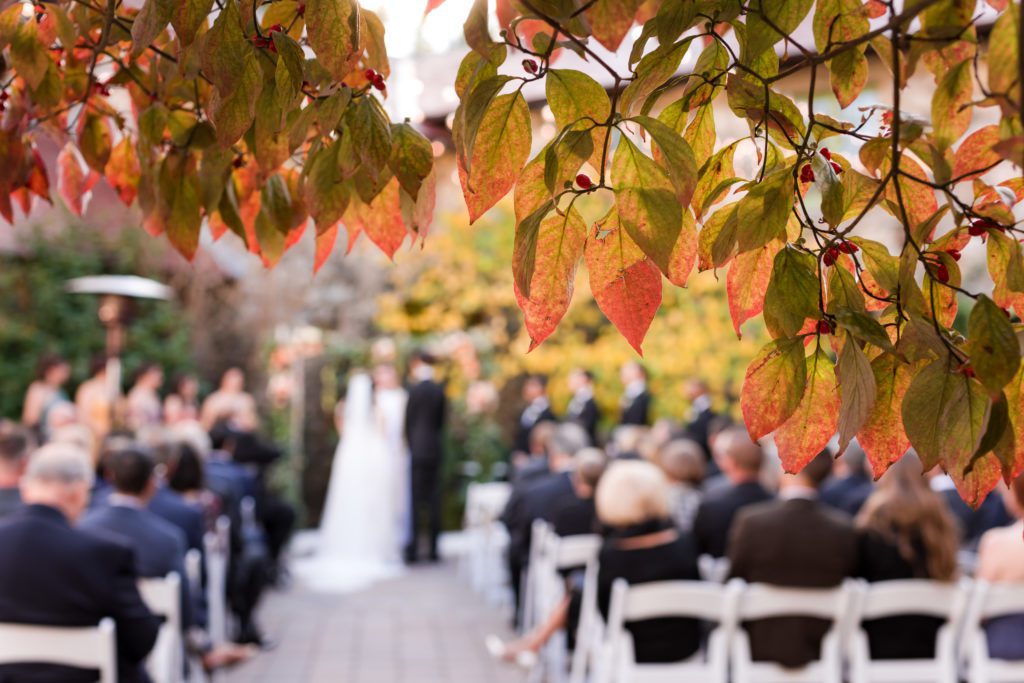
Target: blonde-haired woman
[(906, 532), (642, 545)]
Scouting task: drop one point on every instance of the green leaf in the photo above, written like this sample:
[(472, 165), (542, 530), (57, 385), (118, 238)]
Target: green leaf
[(765, 18), (652, 71), (28, 54), (764, 210), (470, 115), (524, 252), (843, 292), (945, 414), (179, 203), (773, 386), (749, 101), (187, 18), (673, 18), (333, 30), (992, 344), (95, 142), (675, 157), (857, 390), (411, 157), (882, 436), (288, 72), (575, 97), (330, 109), (478, 37), (369, 131), (230, 62), (564, 157), (863, 326), (792, 294), (151, 20), (811, 426), (835, 22), (326, 194), (951, 114), (647, 204)]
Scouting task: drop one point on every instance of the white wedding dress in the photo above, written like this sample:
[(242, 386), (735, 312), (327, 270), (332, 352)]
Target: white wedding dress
[(364, 525)]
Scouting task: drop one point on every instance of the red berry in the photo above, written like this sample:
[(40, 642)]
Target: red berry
[(300, 10), (370, 75), (378, 82), (942, 273), (848, 247), (530, 66), (825, 153), (276, 28), (967, 370), (954, 254), (583, 180), (4, 96), (836, 168), (828, 259), (238, 162), (824, 327), (807, 174)]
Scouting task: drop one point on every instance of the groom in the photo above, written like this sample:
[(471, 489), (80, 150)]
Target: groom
[(424, 424)]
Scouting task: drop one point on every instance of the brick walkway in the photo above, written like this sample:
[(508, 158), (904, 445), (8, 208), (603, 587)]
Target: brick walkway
[(425, 627)]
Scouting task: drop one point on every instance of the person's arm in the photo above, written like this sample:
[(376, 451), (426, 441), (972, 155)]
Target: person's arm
[(988, 558), (33, 408), (136, 626)]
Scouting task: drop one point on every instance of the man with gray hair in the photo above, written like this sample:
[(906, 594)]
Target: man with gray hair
[(55, 575), (15, 445)]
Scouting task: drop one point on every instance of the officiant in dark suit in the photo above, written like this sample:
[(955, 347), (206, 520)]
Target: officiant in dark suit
[(636, 399), (425, 415), (537, 410), (583, 408)]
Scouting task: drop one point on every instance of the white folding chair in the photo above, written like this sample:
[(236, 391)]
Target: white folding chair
[(90, 647), (486, 539), (589, 631), (761, 601), (947, 601), (216, 545), (538, 536), (715, 569), (163, 597), (558, 554), (702, 600), (990, 601)]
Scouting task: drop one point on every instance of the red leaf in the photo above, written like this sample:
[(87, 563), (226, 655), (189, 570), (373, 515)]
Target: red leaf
[(976, 153), (610, 21), (975, 484), (498, 155), (38, 180), (324, 245), (684, 253), (809, 429), (381, 219), (625, 283), (560, 241), (123, 170), (882, 437), (773, 386), (432, 5), (73, 183), (747, 282)]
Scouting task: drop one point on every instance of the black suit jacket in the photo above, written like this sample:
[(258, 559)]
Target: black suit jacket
[(524, 427), (715, 515), (171, 507), (542, 498), (847, 494), (10, 501), (586, 415), (797, 543), (697, 430), (637, 412), (54, 575), (424, 422)]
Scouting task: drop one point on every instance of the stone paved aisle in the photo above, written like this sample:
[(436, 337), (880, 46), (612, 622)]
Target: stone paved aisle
[(425, 627)]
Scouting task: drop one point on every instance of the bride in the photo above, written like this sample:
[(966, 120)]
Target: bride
[(365, 519)]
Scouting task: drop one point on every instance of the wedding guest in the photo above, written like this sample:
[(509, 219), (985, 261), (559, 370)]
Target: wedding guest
[(797, 542), (537, 410), (1001, 560), (641, 546), (850, 484), (52, 574), (15, 445), (583, 409), (52, 373), (94, 400), (972, 522), (182, 404), (230, 402), (535, 464), (636, 399), (426, 416), (682, 461), (906, 532), (740, 460), (59, 416), (143, 407), (628, 442), (701, 414)]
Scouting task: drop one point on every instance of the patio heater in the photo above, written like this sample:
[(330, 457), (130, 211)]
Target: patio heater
[(115, 293)]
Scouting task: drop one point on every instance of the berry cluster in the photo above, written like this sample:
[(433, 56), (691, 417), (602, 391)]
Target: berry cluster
[(836, 168), (982, 226), (267, 42), (375, 79), (842, 247), (3, 100), (530, 66)]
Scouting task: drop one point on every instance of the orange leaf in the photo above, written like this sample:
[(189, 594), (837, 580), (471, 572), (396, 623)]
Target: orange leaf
[(684, 253), (324, 245), (747, 282), (976, 153), (625, 283), (38, 180), (809, 429), (501, 147), (1015, 401), (975, 484), (773, 386), (610, 21), (882, 437), (560, 241), (381, 219), (73, 183), (123, 171)]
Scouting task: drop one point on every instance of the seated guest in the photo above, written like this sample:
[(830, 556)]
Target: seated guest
[(15, 445), (850, 483), (47, 390), (972, 522), (182, 404), (642, 546), (740, 460), (576, 518), (534, 464), (906, 532), (798, 542), (682, 461), (542, 498), (628, 442), (1001, 560), (52, 574)]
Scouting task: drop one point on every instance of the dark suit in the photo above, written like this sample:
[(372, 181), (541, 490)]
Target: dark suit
[(847, 493), (715, 515), (425, 415), (584, 412), (697, 430), (796, 543), (171, 507), (637, 410), (159, 546), (10, 501), (54, 575), (531, 416)]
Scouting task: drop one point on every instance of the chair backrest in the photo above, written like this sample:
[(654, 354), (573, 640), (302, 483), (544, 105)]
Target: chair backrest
[(216, 545), (90, 647), (194, 569), (713, 568), (998, 599), (919, 597), (163, 597), (697, 599), (763, 601), (484, 502), (573, 551)]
